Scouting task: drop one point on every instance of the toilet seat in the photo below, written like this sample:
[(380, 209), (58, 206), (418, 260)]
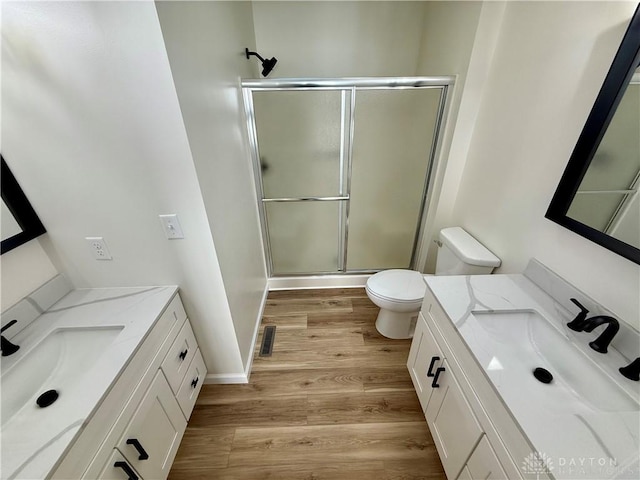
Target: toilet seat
[(398, 286)]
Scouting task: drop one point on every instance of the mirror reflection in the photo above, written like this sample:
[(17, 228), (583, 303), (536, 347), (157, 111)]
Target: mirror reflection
[(607, 198)]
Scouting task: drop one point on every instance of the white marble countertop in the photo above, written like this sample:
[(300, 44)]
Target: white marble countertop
[(577, 436), (38, 438)]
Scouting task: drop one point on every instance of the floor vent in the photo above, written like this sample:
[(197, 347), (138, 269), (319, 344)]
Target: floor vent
[(268, 337)]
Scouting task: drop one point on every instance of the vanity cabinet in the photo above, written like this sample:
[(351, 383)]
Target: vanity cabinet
[(425, 358), (465, 437), (117, 468), (483, 462), (191, 384), (152, 438), (136, 430), (452, 423)]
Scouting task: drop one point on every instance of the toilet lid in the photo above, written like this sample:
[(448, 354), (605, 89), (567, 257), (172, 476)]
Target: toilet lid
[(398, 285)]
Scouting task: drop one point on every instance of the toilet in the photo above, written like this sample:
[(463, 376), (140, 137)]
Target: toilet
[(399, 292)]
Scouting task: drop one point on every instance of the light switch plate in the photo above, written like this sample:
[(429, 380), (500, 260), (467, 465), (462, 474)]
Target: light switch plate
[(171, 226), (99, 248)]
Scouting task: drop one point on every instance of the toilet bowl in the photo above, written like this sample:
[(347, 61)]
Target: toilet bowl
[(399, 292)]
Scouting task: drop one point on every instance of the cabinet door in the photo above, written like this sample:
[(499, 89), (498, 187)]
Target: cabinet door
[(151, 439), (465, 475), (425, 358), (484, 464), (117, 468), (453, 425)]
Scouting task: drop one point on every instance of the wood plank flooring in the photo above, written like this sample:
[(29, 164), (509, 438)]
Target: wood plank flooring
[(333, 401)]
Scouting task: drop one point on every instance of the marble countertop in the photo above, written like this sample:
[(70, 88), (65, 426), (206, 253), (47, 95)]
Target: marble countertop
[(574, 435), (35, 439)]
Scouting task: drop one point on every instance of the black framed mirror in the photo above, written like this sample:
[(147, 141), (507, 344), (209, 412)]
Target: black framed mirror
[(597, 196), (20, 223)]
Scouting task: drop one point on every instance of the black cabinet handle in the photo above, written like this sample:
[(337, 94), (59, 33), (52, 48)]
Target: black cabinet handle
[(183, 355), (194, 382), (127, 469), (136, 444), (431, 365), (434, 383)]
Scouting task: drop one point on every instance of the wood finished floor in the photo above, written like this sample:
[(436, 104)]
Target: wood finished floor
[(334, 401)]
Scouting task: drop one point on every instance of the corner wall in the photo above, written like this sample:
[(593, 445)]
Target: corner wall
[(93, 132), (207, 61), (550, 61)]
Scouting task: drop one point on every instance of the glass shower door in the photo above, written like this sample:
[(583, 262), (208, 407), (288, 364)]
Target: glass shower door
[(394, 135), (300, 136)]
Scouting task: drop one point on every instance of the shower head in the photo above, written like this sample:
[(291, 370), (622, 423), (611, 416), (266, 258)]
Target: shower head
[(267, 65)]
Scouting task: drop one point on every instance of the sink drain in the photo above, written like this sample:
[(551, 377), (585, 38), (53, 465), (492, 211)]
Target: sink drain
[(47, 398), (543, 375)]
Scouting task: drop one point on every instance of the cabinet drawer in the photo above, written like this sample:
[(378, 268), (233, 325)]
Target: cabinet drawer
[(176, 363), (176, 310), (117, 468), (191, 385)]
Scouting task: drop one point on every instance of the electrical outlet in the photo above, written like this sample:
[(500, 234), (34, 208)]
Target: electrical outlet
[(99, 248), (171, 226)]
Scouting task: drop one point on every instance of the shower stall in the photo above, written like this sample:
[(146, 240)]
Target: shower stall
[(343, 169)]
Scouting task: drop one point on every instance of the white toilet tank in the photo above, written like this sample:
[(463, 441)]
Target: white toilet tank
[(461, 254)]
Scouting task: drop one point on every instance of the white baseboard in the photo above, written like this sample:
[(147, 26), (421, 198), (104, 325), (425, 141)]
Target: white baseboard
[(256, 329), (226, 378), (242, 377), (320, 281)]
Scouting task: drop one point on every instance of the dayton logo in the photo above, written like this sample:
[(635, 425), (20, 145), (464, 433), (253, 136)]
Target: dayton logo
[(537, 463)]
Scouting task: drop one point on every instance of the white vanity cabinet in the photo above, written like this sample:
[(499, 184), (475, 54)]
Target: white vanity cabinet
[(483, 463), (453, 425), (184, 369), (136, 431), (425, 357), (466, 438), (152, 438), (117, 468)]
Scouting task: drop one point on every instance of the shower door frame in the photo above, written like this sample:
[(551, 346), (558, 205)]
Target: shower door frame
[(344, 85)]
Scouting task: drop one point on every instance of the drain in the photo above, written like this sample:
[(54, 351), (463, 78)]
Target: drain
[(268, 337), (543, 375), (47, 398)]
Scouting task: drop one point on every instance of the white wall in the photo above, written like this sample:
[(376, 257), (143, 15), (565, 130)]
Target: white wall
[(339, 39), (455, 35), (550, 61), (24, 269), (207, 60), (92, 130)]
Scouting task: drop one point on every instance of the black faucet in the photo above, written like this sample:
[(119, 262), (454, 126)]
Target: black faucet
[(8, 348), (601, 343), (632, 371), (578, 323)]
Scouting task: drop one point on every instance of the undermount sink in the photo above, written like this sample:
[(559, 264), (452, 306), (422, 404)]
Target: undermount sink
[(517, 342), (56, 363)]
